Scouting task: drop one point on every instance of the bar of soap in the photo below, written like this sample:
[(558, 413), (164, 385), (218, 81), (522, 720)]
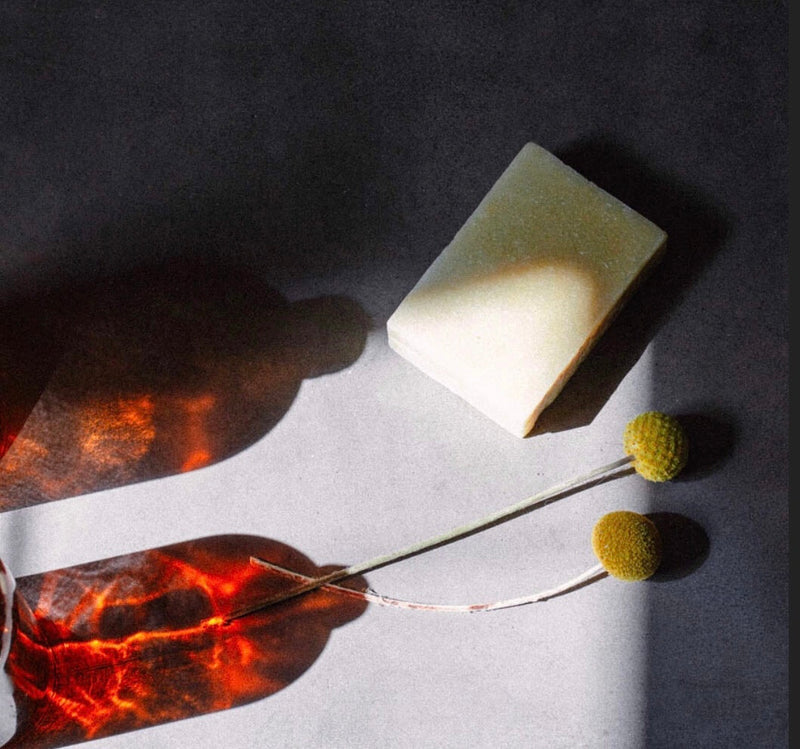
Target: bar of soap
[(512, 305)]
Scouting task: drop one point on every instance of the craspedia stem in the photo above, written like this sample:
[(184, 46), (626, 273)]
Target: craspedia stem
[(445, 538), (593, 574), (655, 445)]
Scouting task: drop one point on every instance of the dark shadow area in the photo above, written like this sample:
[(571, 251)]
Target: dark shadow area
[(695, 229), (157, 372), (712, 439), (140, 135), (137, 640), (685, 545), (182, 137), (32, 338)]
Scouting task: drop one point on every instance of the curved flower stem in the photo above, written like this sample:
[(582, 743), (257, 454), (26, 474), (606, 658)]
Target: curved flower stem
[(597, 572), (445, 538)]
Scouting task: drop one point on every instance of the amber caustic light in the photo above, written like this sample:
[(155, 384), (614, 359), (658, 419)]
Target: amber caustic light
[(655, 446)]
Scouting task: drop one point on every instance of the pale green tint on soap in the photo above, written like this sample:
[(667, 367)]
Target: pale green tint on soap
[(511, 306)]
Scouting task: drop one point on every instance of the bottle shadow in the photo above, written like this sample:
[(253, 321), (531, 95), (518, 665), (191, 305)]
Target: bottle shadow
[(140, 640), (165, 370), (695, 230)]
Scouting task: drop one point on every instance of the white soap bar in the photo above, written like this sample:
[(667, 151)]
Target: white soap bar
[(513, 304)]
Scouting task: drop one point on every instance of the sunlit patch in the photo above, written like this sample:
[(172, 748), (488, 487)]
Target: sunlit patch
[(498, 327)]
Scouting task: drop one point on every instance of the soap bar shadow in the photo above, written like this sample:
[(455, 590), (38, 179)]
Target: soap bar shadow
[(133, 647), (168, 369), (696, 230)]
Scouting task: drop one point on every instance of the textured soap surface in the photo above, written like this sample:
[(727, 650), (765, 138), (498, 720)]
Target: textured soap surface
[(512, 305)]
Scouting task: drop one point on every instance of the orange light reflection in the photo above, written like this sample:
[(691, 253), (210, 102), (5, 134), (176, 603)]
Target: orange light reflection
[(140, 640)]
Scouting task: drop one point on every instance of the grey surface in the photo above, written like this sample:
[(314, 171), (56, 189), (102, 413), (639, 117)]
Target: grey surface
[(332, 149)]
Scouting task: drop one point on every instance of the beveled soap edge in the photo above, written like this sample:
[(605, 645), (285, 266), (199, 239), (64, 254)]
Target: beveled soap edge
[(596, 334)]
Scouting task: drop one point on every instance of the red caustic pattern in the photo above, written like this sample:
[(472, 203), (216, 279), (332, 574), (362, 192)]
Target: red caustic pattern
[(141, 639)]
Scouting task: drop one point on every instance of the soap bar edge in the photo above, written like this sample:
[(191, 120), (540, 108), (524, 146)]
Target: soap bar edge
[(449, 380), (598, 332)]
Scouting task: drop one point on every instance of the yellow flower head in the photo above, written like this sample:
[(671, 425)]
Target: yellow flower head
[(658, 445), (627, 544)]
